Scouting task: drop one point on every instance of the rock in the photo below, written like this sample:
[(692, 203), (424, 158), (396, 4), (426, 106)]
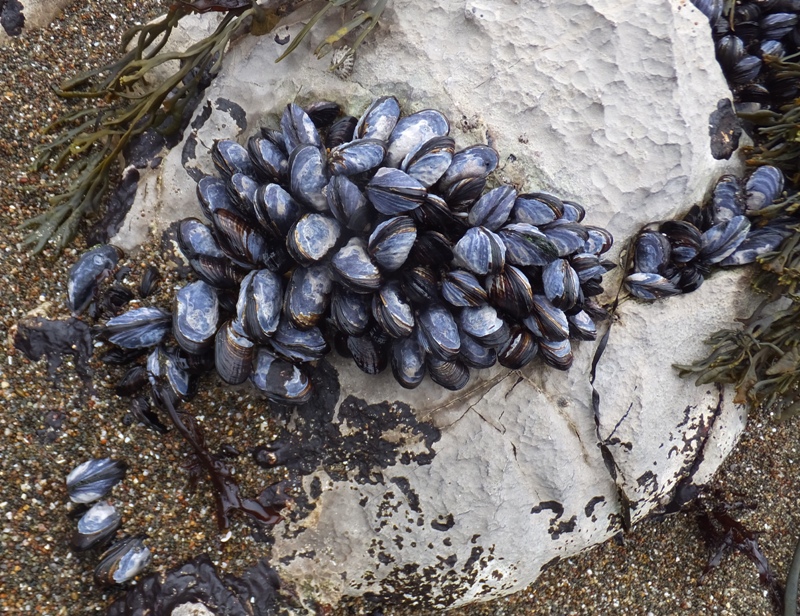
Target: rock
[(433, 498)]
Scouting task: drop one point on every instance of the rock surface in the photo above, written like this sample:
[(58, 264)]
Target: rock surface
[(465, 496)]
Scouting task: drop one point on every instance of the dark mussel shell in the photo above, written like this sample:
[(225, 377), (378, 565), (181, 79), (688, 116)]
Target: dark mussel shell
[(420, 285), (150, 281), (557, 354), (645, 285), (313, 237), (132, 382), (298, 129), (123, 561), (323, 113), (270, 161), (281, 381), (169, 375), (276, 211), (493, 209), (394, 192), (239, 237), (86, 273), (758, 242), (138, 328), (233, 354), (260, 302), (465, 178), (392, 311), (408, 362), (510, 291), (356, 157), (212, 192), (308, 177), (727, 200), (568, 237), (378, 120), (573, 212), (196, 238), (370, 355), (434, 214), (413, 131), (350, 311), (452, 375), (483, 324), (651, 252), (537, 208), (430, 160), (195, 316), (582, 326), (438, 332), (308, 295), (348, 204), (519, 350), (391, 241), (354, 268), (96, 526), (684, 238), (93, 479), (476, 355), (230, 157), (561, 284), (763, 187), (480, 251), (526, 245), (547, 321), (242, 191), (599, 240), (462, 289), (298, 345), (723, 239)]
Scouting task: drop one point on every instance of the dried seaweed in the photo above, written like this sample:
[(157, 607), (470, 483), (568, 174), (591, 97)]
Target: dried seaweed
[(122, 106)]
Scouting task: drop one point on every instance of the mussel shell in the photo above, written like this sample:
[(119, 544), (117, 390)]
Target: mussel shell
[(430, 160), (474, 162), (348, 204), (242, 192), (392, 311), (281, 381), (746, 69), (483, 324), (462, 289), (308, 177), (230, 157), (758, 242), (169, 375), (510, 291), (219, 272), (96, 526), (93, 479), (379, 120), (435, 215), (394, 192), (195, 316), (340, 132), (132, 381), (308, 295), (122, 561), (729, 50), (350, 311), (86, 273), (195, 238), (557, 354), (582, 326), (298, 129), (313, 237), (260, 303), (413, 131), (476, 355), (651, 252), (599, 240), (547, 321), (419, 284), (298, 345), (391, 241), (212, 192), (727, 200), (588, 266), (537, 208), (452, 375), (526, 245), (138, 328), (270, 161), (650, 286), (519, 350), (353, 267), (763, 187), (561, 284), (723, 239), (573, 212), (493, 209), (568, 237), (276, 210), (239, 237), (480, 251), (408, 362), (438, 332), (368, 354), (233, 354), (356, 157), (684, 238)]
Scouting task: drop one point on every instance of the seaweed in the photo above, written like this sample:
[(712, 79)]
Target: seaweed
[(122, 106)]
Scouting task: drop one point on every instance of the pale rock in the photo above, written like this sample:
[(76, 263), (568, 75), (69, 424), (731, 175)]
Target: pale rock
[(604, 102)]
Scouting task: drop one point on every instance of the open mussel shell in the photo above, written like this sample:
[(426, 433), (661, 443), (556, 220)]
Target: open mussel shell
[(527, 245), (763, 187), (313, 237), (308, 177), (298, 129), (348, 204), (557, 354), (519, 350), (537, 208), (392, 311), (480, 251), (438, 333), (684, 238), (430, 160), (96, 526), (280, 380), (452, 375), (299, 345), (371, 355), (123, 561), (93, 479), (483, 324), (276, 210), (308, 295), (233, 354), (462, 289), (270, 161), (493, 209), (169, 375), (379, 120), (651, 252), (413, 131), (195, 316), (645, 285), (394, 192), (722, 240), (138, 328), (476, 355), (323, 113), (510, 291), (356, 157), (561, 284), (408, 362), (350, 311), (230, 157), (391, 241), (87, 271), (354, 268)]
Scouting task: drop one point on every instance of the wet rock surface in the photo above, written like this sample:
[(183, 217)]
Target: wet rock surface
[(524, 468)]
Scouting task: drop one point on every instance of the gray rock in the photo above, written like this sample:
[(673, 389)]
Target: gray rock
[(606, 103)]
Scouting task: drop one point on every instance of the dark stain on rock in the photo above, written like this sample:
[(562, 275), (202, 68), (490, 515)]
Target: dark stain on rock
[(119, 204), (385, 558), (449, 561), (234, 110), (589, 509), (564, 526), (550, 563), (202, 117), (474, 538), (474, 555), (188, 155), (557, 528), (363, 501), (649, 481), (447, 541), (553, 506), (315, 489), (443, 523), (411, 496)]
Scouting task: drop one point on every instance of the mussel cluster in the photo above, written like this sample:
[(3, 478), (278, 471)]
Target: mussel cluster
[(373, 236), (731, 229), (744, 39), (88, 483)]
